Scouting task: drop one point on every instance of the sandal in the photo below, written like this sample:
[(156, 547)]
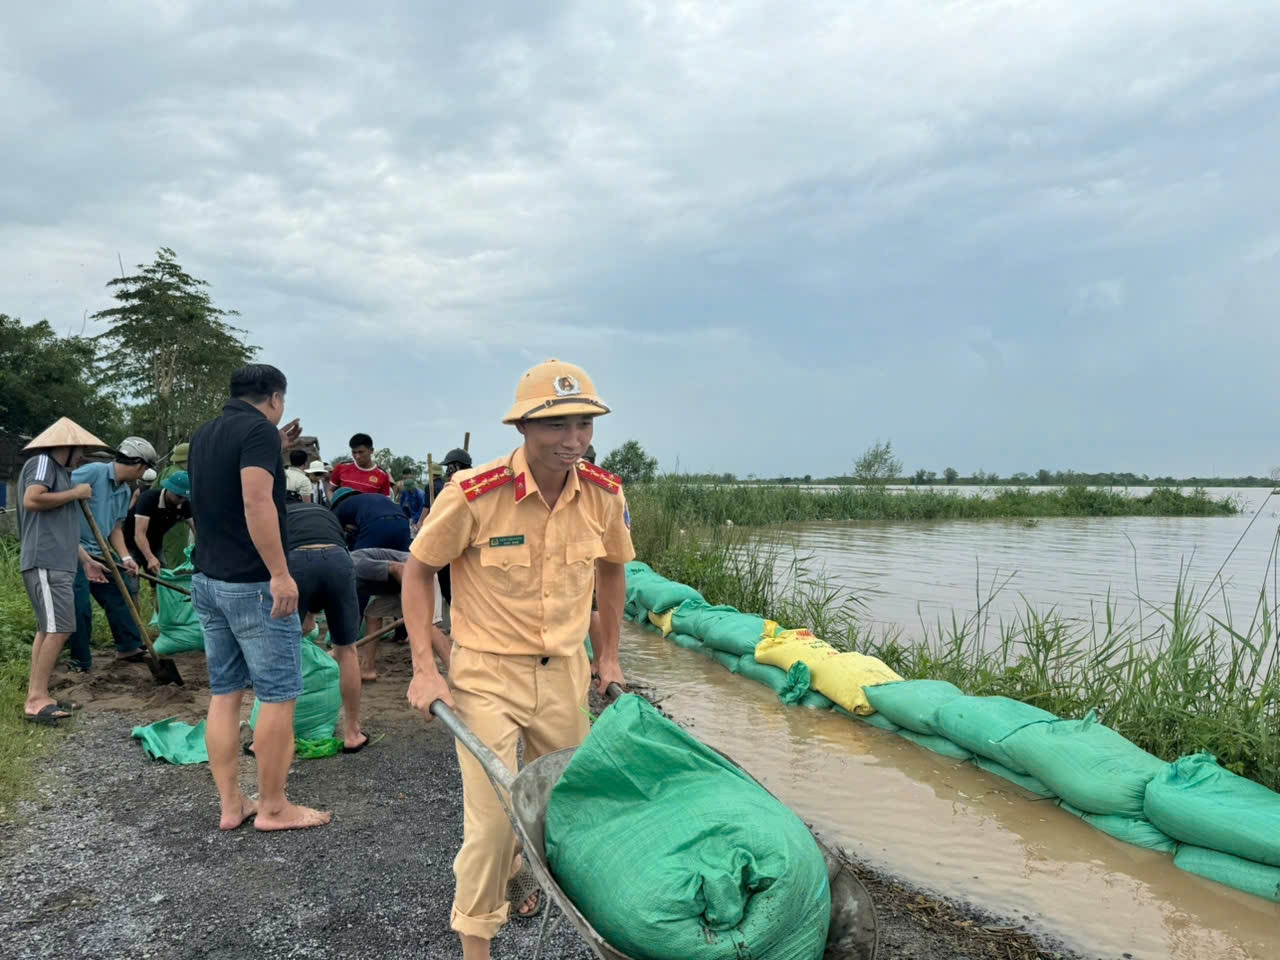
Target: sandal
[(50, 715), (67, 705), (520, 888)]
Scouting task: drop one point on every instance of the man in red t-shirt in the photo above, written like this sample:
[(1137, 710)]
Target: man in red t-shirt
[(363, 476)]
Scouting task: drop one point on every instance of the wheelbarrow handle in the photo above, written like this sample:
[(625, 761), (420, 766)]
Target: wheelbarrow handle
[(495, 768)]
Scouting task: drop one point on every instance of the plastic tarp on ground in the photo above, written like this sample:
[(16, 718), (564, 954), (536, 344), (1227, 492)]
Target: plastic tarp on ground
[(1140, 833), (172, 740), (1258, 879), (1198, 802), (655, 592), (721, 628), (913, 704), (673, 853), (1087, 764), (180, 630), (315, 715)]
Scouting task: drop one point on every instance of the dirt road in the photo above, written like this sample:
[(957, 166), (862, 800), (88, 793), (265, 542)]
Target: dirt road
[(116, 855)]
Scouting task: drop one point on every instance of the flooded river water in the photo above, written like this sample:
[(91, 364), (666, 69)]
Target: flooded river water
[(951, 828), (906, 573)]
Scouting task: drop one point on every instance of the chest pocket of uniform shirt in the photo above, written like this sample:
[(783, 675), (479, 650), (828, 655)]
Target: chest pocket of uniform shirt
[(508, 570), (580, 557)]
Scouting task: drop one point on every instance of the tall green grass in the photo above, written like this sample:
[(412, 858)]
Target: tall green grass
[(1172, 678), (698, 504)]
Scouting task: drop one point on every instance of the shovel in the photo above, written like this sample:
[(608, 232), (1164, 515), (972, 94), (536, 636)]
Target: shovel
[(164, 583), (163, 669)]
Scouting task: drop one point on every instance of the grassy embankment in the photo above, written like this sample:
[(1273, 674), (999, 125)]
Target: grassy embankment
[(1173, 680), (21, 742)]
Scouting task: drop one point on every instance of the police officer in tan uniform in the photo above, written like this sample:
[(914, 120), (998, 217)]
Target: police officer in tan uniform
[(528, 536)]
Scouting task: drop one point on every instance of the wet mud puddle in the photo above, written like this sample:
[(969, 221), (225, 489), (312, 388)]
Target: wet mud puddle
[(950, 828)]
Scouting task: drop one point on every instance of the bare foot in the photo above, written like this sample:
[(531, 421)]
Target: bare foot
[(292, 817), (234, 818), (369, 676)]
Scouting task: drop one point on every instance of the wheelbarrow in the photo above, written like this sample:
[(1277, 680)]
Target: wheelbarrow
[(854, 932)]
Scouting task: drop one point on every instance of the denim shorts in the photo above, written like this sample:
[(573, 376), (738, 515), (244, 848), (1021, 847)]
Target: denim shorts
[(326, 581), (244, 645)]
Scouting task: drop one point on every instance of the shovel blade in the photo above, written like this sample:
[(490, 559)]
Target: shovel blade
[(164, 671)]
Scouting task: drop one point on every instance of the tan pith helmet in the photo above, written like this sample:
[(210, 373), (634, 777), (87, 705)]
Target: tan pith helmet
[(65, 433), (555, 389)]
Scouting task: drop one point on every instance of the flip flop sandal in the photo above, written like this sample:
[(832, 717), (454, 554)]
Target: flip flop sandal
[(363, 744), (67, 705), (520, 888), (48, 715)]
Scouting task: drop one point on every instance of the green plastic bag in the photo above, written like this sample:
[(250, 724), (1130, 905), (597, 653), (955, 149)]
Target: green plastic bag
[(726, 660), (980, 723), (1198, 802), (1140, 833), (1085, 763), (1259, 879), (790, 685), (912, 704), (315, 715), (180, 629), (721, 628), (877, 720), (673, 853), (1027, 783), (939, 745), (172, 740), (655, 592), (813, 700), (684, 641)]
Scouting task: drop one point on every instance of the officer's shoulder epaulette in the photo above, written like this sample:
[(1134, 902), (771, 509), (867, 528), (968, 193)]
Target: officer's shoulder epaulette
[(601, 478), (482, 483)]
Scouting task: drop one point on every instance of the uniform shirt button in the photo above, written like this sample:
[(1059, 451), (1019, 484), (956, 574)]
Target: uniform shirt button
[(546, 593)]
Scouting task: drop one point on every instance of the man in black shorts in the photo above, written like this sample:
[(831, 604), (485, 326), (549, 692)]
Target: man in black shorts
[(321, 567)]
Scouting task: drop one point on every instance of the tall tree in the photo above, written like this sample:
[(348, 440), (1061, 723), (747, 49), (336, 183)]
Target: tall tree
[(169, 349), (877, 465), (631, 463), (44, 376)]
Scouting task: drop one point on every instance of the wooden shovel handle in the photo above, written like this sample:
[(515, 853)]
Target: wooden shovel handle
[(110, 561)]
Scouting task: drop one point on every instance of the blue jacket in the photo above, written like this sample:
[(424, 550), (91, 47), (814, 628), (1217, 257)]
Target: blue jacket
[(413, 501), (378, 521)]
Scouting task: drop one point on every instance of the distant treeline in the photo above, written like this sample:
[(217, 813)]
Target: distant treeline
[(1042, 478)]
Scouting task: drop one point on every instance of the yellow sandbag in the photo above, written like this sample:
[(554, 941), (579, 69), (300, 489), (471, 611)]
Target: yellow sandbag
[(662, 621), (771, 628), (842, 677), (787, 647)]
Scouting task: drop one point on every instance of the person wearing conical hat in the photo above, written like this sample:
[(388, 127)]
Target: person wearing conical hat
[(50, 553), (109, 506), (528, 537)]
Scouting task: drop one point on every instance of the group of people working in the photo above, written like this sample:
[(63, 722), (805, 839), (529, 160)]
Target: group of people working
[(530, 539)]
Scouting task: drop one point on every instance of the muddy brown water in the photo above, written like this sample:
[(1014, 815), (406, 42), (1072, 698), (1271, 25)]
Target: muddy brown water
[(949, 827), (906, 573)]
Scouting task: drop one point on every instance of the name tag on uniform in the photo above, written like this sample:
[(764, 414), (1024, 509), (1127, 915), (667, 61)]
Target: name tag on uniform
[(517, 541)]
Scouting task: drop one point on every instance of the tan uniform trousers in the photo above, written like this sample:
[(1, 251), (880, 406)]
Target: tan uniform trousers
[(502, 698)]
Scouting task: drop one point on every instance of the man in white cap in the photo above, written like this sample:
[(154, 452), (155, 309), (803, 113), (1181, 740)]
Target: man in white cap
[(318, 474), (50, 553), (528, 536), (109, 505)]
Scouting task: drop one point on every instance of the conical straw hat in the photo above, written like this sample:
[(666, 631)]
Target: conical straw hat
[(65, 433)]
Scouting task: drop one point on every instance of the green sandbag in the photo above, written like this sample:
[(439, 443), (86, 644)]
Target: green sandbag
[(726, 660), (171, 739), (1198, 802), (684, 641), (654, 591), (591, 653), (180, 629), (939, 745), (1141, 833), (673, 853), (790, 685), (1085, 763), (1259, 879), (1029, 784), (315, 714), (813, 700), (721, 628), (877, 720), (980, 723), (912, 703)]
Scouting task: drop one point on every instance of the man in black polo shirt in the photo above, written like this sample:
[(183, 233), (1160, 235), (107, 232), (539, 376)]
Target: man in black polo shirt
[(246, 599)]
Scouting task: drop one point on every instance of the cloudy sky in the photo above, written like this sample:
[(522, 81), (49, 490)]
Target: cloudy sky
[(1005, 234)]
